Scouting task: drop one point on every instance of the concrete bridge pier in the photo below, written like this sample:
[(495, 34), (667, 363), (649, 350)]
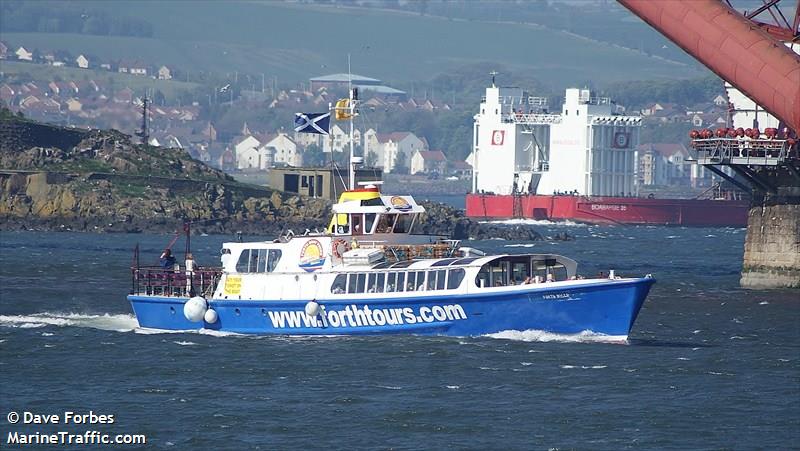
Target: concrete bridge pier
[(772, 246)]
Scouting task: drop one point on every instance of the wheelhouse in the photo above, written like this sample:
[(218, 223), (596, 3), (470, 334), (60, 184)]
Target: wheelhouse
[(378, 215)]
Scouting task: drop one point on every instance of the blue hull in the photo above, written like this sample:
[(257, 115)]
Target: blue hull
[(608, 308)]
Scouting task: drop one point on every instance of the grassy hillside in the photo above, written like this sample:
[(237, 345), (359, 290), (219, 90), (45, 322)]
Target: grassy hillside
[(297, 41)]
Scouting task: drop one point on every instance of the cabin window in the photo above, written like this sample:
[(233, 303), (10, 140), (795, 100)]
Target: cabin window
[(440, 279), (339, 284), (372, 283), (548, 269), (261, 263), (243, 265), (274, 258), (391, 282), (493, 274), (401, 279), (482, 279), (362, 282), (403, 224), (304, 181), (454, 278), (258, 260), (369, 220), (411, 278), (432, 280), (420, 280), (381, 281), (385, 224), (351, 283), (357, 224), (519, 272)]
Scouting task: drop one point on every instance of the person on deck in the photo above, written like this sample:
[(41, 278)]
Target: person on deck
[(167, 260), (191, 266)]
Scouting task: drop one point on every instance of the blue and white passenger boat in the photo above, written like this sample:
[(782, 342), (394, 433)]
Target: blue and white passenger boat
[(368, 273), (361, 276)]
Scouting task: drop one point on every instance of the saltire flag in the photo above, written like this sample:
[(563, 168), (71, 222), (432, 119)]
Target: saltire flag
[(318, 123), (343, 109)]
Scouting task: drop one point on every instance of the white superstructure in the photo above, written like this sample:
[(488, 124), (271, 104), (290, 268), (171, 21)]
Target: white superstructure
[(519, 147)]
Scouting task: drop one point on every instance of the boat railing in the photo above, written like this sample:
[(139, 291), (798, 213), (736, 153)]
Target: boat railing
[(403, 252), (158, 281)]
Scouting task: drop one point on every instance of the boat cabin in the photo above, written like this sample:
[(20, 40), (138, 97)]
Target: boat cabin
[(375, 215)]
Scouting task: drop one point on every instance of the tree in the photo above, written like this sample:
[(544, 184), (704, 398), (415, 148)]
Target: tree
[(400, 164)]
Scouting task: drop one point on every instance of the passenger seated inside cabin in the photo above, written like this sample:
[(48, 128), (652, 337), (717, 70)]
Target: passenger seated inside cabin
[(550, 278), (528, 280), (410, 286), (338, 285), (498, 283), (385, 224)]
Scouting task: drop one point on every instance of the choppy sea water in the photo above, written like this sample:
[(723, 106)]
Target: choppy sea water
[(708, 365)]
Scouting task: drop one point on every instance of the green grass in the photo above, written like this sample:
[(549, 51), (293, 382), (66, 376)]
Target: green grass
[(170, 88), (295, 42)]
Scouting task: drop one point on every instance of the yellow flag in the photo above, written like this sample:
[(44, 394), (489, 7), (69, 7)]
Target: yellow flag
[(343, 109)]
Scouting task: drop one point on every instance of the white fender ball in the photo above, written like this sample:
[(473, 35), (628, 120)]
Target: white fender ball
[(312, 308), (211, 316), (195, 308)]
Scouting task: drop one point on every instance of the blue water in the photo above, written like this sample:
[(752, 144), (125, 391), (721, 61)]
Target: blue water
[(708, 365)]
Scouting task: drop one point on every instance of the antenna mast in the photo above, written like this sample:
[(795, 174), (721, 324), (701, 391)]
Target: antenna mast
[(143, 133), (352, 113)]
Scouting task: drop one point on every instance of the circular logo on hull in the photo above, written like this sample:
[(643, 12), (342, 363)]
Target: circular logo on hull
[(312, 257)]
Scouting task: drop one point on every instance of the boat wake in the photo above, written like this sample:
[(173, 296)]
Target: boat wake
[(541, 336), (537, 222), (119, 323)]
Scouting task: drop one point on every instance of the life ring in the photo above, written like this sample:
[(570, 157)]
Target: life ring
[(340, 246)]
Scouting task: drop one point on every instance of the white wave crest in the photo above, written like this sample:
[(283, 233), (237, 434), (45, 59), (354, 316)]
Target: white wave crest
[(538, 222), (185, 343), (120, 323), (586, 336)]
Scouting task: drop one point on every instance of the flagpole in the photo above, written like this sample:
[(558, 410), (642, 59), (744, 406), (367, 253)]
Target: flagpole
[(352, 172)]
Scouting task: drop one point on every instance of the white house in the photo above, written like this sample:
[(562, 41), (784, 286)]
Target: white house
[(24, 55), (392, 144), (339, 139), (283, 149), (247, 154), (164, 73), (428, 162), (82, 62)]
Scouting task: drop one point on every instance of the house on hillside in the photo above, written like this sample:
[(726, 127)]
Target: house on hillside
[(82, 62), (245, 148), (721, 101), (164, 73), (390, 145), (339, 140), (428, 162), (23, 54), (283, 149)]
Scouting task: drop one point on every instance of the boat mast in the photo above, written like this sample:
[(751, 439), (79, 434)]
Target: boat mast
[(352, 111)]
